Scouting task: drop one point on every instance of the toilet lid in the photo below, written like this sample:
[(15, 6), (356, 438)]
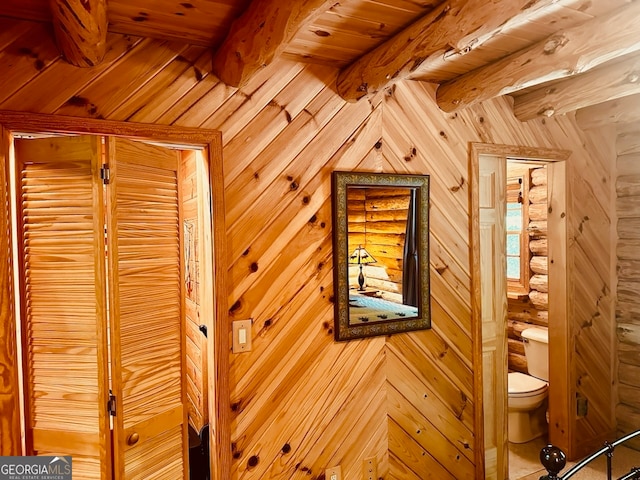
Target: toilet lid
[(520, 383)]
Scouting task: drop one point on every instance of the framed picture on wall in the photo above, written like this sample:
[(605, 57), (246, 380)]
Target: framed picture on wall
[(381, 253)]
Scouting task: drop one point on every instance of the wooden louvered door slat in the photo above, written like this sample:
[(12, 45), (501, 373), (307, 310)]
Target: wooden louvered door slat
[(146, 291), (62, 272)]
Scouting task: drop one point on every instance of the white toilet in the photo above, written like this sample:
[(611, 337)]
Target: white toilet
[(527, 393)]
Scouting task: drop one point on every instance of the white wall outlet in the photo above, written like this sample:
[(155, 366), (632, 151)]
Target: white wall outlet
[(241, 336), (333, 473), (370, 469)]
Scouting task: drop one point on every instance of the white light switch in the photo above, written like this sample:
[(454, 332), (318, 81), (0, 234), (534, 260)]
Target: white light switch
[(241, 336)]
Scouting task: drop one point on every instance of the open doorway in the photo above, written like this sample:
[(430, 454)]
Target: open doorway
[(488, 238), (202, 149), (528, 355)]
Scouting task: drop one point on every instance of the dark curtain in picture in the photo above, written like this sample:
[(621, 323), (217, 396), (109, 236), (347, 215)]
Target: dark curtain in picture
[(410, 280)]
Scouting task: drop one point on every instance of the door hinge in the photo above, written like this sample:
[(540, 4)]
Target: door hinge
[(105, 173), (111, 405)]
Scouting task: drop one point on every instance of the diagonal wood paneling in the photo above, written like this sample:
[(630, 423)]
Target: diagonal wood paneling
[(425, 137), (301, 402), (443, 355)]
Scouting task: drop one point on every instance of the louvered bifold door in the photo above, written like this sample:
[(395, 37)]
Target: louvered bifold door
[(61, 229), (146, 291)]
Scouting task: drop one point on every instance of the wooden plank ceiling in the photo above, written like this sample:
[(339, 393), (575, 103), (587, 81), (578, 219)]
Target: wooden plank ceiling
[(552, 56)]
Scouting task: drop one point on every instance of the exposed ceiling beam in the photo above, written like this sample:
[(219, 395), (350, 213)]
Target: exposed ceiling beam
[(80, 28), (458, 25), (599, 85), (574, 50), (260, 34), (622, 110)]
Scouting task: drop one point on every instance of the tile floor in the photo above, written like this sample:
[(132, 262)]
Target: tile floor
[(524, 462), (524, 458)]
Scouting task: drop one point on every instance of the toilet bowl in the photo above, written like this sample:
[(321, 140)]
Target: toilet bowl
[(526, 407), (528, 393)]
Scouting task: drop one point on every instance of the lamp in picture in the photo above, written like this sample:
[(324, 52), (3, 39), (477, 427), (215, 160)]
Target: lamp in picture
[(361, 257)]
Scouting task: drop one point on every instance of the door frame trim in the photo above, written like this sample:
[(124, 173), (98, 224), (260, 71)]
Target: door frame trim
[(560, 418), (218, 356)]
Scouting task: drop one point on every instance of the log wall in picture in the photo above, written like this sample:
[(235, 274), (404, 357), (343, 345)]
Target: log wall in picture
[(377, 221), (356, 228), (386, 221), (301, 402)]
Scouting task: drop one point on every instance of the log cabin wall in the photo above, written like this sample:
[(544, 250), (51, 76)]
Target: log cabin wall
[(538, 246), (386, 217), (301, 402), (628, 301), (356, 226), (532, 308), (356, 222), (377, 221)]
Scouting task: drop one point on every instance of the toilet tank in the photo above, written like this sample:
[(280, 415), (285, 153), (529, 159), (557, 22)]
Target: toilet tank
[(536, 350)]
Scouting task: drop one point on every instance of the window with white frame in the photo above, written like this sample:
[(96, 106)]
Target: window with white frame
[(517, 241)]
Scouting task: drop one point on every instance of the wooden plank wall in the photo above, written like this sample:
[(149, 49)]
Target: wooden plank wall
[(628, 305), (424, 139), (301, 402), (196, 344), (592, 284)]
